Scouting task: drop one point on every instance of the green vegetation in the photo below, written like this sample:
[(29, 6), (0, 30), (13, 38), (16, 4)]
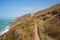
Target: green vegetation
[(48, 26)]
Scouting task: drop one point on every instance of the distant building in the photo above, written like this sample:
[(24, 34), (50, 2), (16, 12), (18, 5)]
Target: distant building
[(32, 14)]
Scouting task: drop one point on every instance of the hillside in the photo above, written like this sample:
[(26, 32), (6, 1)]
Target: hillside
[(48, 21)]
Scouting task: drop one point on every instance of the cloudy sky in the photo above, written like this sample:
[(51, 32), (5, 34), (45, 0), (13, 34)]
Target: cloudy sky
[(14, 8)]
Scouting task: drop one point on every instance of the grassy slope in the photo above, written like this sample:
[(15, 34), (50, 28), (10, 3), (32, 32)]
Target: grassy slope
[(24, 31)]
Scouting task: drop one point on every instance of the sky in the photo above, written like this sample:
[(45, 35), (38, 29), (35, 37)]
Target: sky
[(11, 9)]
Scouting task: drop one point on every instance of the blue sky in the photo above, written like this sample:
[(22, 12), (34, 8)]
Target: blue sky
[(14, 8)]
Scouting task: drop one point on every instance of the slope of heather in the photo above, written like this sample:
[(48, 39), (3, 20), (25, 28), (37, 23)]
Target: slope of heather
[(48, 21)]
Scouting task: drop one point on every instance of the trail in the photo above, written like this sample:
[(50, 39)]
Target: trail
[(35, 33)]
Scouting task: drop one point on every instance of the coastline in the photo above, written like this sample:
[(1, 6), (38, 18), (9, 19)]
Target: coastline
[(5, 30)]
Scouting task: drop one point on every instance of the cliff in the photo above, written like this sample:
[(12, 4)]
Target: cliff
[(48, 21)]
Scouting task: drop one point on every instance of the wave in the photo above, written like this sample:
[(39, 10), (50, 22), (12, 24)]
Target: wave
[(6, 30)]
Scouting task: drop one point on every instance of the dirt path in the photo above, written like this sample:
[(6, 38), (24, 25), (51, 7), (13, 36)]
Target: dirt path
[(35, 33)]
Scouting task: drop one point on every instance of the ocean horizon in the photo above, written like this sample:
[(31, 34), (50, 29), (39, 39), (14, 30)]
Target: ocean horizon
[(4, 25)]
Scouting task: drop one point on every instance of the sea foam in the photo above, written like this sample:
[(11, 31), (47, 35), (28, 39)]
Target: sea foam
[(6, 30)]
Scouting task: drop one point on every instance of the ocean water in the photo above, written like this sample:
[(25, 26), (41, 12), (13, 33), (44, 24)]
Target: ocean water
[(4, 25)]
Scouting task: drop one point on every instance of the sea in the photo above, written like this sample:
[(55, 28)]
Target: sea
[(4, 25)]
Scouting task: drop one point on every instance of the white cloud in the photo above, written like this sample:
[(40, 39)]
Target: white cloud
[(26, 9)]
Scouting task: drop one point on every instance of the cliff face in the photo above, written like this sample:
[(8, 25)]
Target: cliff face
[(48, 23)]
